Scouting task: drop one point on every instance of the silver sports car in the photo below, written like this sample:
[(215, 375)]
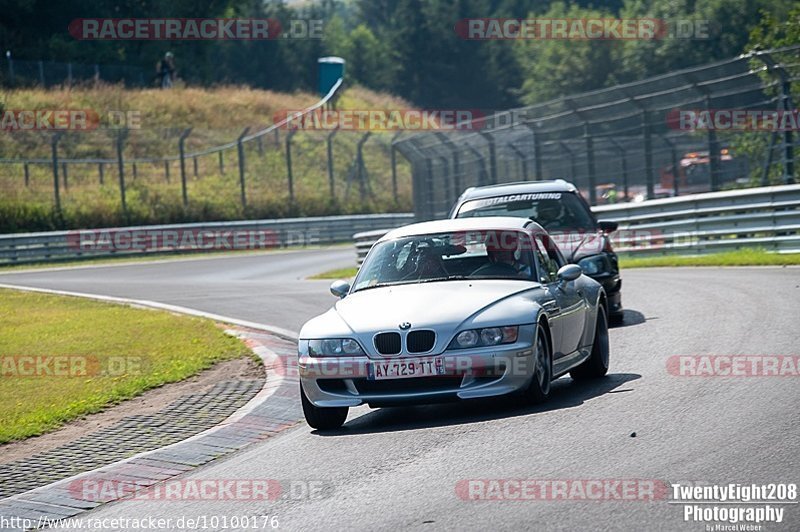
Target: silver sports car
[(453, 309)]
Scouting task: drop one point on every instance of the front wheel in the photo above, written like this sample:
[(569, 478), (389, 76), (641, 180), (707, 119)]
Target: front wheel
[(539, 389), (322, 418), (597, 364)]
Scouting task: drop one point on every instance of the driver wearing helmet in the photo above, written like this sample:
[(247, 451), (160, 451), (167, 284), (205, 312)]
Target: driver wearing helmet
[(548, 213), (502, 254)]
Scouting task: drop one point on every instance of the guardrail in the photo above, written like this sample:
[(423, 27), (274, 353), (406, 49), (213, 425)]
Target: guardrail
[(56, 246), (766, 217)]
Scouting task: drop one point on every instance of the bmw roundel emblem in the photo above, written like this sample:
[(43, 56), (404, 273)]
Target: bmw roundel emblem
[(405, 325)]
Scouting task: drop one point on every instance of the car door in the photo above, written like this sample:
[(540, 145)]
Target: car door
[(569, 301), (551, 306)]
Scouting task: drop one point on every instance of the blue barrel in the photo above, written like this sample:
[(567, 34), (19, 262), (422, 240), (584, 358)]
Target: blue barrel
[(330, 70)]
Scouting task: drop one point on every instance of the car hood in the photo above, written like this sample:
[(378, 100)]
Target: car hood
[(444, 306), (579, 244)]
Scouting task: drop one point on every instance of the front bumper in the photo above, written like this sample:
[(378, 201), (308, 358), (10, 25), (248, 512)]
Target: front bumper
[(612, 284), (469, 374)]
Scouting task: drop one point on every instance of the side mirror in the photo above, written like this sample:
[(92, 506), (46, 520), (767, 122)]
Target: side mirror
[(340, 288), (608, 226), (568, 273)]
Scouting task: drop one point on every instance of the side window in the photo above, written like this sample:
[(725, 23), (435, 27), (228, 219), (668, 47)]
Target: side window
[(547, 259)]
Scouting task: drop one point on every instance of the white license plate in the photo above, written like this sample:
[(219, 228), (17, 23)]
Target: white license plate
[(405, 368)]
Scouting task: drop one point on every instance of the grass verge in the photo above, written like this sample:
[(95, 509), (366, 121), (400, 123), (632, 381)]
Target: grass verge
[(740, 257), (62, 357), (341, 273)]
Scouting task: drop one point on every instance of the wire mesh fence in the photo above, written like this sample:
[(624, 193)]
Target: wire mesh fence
[(718, 126), (128, 175), (26, 73)]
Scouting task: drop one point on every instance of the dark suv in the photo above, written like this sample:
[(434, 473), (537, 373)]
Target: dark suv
[(561, 210)]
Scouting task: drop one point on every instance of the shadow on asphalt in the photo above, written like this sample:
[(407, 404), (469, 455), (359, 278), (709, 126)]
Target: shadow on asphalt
[(565, 393), (630, 318)]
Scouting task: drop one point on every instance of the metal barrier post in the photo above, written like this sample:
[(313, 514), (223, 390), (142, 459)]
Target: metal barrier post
[(181, 141), (240, 151), (289, 176), (121, 166), (54, 151), (329, 147)]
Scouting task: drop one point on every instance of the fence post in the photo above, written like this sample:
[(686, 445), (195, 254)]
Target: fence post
[(221, 164), (573, 162), (393, 153), (590, 169), (492, 156), (10, 67), (713, 152), (240, 150), (522, 159), (537, 151), (100, 172), (444, 139), (194, 159), (181, 141), (648, 155), (331, 182), (363, 185), (166, 169), (676, 176), (624, 162), (27, 176), (54, 151), (785, 104), (121, 167), (135, 174), (788, 144), (289, 175)]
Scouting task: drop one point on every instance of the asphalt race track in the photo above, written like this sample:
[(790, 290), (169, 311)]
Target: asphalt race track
[(399, 468)]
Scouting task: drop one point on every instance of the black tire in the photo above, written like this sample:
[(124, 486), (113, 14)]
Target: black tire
[(539, 389), (596, 365), (322, 418)]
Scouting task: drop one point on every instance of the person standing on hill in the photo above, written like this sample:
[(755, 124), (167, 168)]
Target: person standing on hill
[(165, 70)]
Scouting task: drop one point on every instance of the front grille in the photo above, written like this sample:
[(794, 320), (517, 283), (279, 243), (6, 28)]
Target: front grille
[(388, 343), (417, 384), (420, 341)]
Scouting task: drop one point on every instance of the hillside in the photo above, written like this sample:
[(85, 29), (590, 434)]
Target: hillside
[(216, 116)]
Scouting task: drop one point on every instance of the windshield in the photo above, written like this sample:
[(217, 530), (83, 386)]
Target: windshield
[(447, 256), (555, 211)]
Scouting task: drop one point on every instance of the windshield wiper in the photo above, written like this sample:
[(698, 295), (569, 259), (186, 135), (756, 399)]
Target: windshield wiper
[(376, 285), (448, 278)]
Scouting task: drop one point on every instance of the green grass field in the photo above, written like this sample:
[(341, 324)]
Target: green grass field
[(216, 116), (109, 353), (741, 257)]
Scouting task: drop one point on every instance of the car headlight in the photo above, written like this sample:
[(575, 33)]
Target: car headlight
[(485, 337), (594, 265), (332, 347)]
